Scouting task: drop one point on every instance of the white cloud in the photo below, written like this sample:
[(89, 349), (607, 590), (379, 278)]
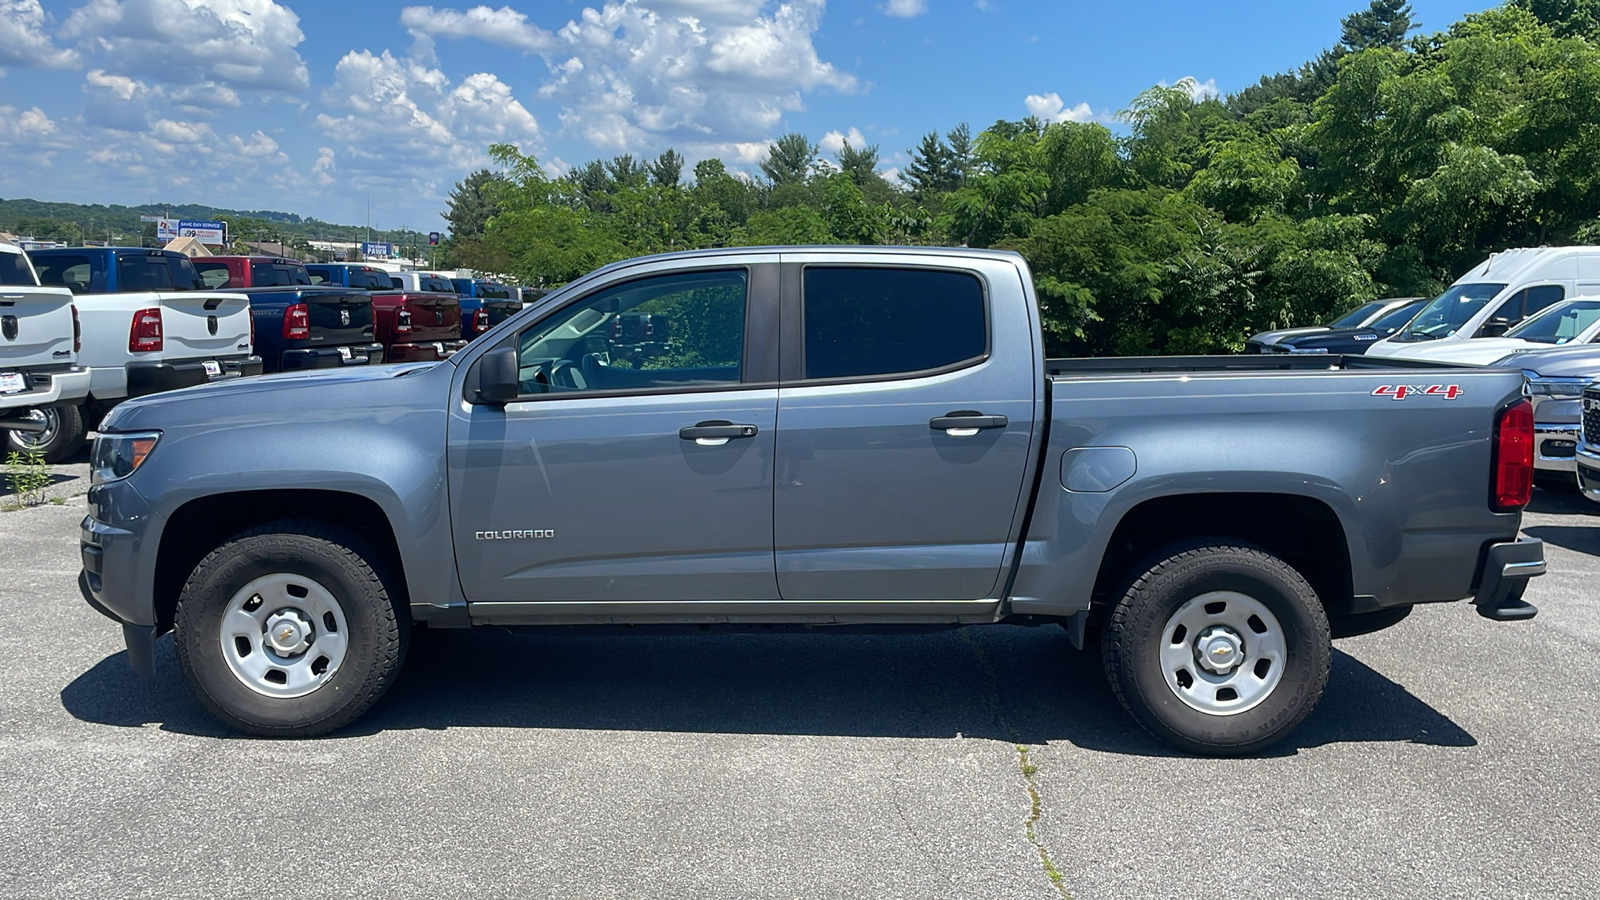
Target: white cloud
[(905, 9), (1051, 108), (120, 86), (23, 39), (834, 141), (406, 117), (240, 44), (641, 75), (504, 26), (1197, 89), (986, 5)]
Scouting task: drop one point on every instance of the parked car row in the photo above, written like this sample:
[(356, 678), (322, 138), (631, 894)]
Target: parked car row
[(83, 329)]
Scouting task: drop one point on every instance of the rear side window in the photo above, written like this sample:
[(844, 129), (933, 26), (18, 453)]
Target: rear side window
[(318, 277), (64, 271), (493, 292), (369, 280), (213, 274), (396, 283), (438, 284), (155, 272), (276, 275), (14, 270), (864, 321)]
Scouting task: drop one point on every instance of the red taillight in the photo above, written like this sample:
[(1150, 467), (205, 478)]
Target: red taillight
[(145, 335), (402, 322), (1513, 457), (77, 331), (480, 321), (297, 322)]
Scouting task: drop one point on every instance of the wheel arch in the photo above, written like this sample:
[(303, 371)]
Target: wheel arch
[(204, 523)]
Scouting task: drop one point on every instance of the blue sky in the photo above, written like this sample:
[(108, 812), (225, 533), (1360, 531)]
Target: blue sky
[(308, 107)]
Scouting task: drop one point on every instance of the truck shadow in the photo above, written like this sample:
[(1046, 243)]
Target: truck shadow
[(1017, 685)]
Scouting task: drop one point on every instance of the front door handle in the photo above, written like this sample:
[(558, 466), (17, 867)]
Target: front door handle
[(716, 432), (966, 423)]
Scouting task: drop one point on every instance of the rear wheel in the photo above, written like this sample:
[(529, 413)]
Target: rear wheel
[(1217, 647), (62, 435), (288, 630)]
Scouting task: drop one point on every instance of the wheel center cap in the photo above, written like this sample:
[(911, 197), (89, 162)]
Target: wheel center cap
[(1219, 649), (288, 632)]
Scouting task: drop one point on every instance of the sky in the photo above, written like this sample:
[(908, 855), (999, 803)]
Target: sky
[(313, 107)]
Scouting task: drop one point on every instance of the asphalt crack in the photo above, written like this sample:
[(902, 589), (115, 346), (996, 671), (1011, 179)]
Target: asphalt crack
[(1027, 768)]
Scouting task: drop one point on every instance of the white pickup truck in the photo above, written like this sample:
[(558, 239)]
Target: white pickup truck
[(148, 326), (38, 349)]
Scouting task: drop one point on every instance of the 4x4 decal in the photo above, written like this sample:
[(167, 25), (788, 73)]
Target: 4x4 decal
[(1402, 391)]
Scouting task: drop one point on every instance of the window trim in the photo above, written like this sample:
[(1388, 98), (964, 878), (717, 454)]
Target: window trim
[(754, 350), (793, 353)]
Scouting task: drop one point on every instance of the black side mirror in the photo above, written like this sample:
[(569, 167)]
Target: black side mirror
[(1496, 326), (497, 376)]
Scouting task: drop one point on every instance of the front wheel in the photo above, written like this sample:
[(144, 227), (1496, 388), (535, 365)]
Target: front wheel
[(288, 630), (1218, 647)]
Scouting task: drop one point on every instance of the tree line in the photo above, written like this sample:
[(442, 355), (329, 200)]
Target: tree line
[(1386, 166)]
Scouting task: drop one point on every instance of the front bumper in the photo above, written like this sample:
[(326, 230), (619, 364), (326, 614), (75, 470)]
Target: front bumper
[(48, 387), (1555, 446), (118, 574), (1588, 465), (424, 351), (158, 377), (331, 357), (1506, 570)]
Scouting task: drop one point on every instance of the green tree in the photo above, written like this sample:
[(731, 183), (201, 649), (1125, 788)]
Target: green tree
[(667, 169), (1383, 24), (789, 159), (472, 203)]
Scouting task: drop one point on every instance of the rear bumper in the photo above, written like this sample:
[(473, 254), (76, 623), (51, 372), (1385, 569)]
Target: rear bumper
[(424, 351), (1506, 570), (331, 357), (51, 387), (157, 377)]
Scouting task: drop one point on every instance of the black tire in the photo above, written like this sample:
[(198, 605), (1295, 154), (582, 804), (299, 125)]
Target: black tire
[(1136, 632), (64, 438), (377, 628)]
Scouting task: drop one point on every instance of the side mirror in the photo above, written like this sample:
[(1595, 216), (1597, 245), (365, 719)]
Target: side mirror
[(1496, 326), (497, 376)]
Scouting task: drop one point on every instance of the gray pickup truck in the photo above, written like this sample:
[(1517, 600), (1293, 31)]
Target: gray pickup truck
[(832, 438)]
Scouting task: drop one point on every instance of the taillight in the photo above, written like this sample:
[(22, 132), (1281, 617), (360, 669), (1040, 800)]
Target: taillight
[(252, 332), (480, 321), (145, 335), (297, 322), (402, 322), (77, 331), (1513, 457)]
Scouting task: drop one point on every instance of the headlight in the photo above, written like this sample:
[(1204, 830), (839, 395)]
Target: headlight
[(1552, 387), (116, 456)]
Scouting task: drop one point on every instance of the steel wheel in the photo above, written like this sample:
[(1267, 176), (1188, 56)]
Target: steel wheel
[(284, 635), (1222, 653), (37, 441)]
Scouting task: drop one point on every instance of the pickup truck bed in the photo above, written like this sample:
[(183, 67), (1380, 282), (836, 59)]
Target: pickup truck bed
[(825, 437)]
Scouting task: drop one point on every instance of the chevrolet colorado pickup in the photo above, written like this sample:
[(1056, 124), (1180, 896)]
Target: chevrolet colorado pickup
[(148, 325), (39, 342), (834, 438)]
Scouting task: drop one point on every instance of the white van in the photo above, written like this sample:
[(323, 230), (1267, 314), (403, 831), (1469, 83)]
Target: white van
[(1496, 295)]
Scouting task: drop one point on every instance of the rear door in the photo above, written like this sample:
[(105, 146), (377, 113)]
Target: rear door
[(904, 424)]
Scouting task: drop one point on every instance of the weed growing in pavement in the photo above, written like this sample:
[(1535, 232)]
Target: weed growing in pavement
[(27, 476)]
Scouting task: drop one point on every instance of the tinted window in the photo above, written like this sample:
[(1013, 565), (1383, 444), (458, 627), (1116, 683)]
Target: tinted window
[(435, 283), (674, 331), (885, 321), (1355, 318), (463, 285), (277, 275), (1392, 320), (396, 283), (64, 271), (155, 272), (213, 274), (318, 277), (493, 292), (1542, 297), (14, 270), (369, 279)]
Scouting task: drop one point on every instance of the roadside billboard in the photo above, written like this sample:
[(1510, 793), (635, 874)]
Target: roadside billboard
[(379, 249), (213, 233)]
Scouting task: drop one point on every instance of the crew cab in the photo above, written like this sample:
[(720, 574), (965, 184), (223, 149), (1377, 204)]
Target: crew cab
[(148, 325), (836, 438), (1496, 296), (298, 325), (484, 304), (38, 353)]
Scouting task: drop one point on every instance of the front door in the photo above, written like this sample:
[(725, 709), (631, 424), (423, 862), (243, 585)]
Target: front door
[(903, 428), (637, 464)]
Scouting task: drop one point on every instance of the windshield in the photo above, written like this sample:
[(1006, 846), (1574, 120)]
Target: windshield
[(1560, 323), (1448, 312), (1391, 321), (1357, 317)]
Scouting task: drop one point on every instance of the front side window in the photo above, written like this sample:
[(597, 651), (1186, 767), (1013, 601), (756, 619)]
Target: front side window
[(863, 321), (671, 332)]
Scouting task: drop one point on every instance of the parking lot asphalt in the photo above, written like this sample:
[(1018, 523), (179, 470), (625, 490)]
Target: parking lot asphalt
[(1450, 757)]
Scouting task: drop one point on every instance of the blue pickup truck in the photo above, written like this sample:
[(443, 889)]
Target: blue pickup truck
[(298, 325), (484, 304), (828, 438)]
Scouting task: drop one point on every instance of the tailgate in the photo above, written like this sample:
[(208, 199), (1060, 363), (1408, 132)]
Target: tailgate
[(35, 327), (501, 310), (339, 316), (434, 317), (204, 324)]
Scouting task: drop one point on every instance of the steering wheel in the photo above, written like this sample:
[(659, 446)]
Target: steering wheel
[(564, 374)]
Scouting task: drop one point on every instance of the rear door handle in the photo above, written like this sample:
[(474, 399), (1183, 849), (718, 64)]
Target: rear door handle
[(716, 432), (966, 423)]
